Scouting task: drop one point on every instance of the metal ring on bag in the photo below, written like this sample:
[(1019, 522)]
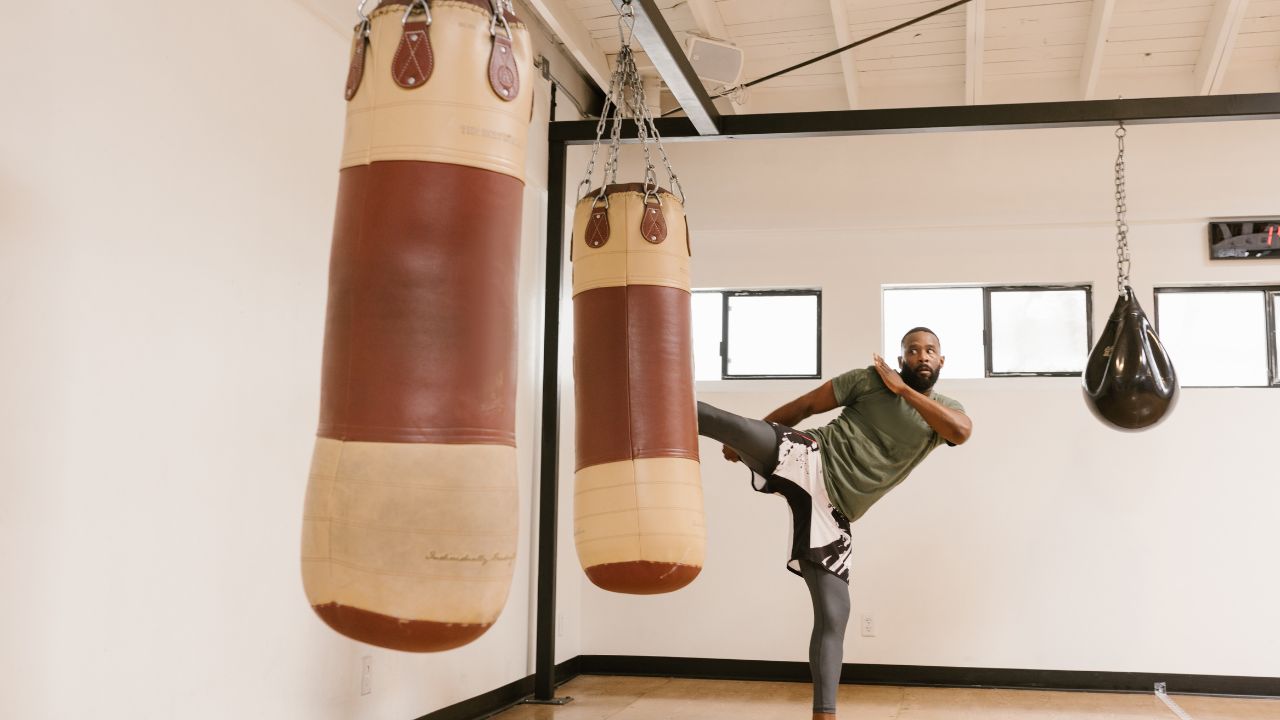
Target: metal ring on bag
[(409, 11), (499, 16)]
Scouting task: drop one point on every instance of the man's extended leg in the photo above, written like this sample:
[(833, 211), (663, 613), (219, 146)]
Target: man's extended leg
[(754, 440), (830, 596)]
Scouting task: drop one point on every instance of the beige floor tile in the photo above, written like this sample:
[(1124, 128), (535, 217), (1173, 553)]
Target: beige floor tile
[(625, 698), (1214, 708)]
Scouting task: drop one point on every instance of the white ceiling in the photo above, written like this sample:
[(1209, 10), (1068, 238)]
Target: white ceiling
[(991, 51)]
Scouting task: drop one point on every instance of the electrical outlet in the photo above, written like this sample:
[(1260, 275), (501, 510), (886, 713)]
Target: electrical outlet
[(868, 626), (366, 674)]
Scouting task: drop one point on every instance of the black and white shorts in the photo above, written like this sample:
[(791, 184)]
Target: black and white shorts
[(819, 531)]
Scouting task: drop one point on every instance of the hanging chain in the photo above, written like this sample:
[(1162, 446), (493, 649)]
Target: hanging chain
[(366, 24), (500, 10), (626, 99), (1122, 227)]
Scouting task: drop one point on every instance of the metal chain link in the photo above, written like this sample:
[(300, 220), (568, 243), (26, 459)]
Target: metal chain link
[(366, 24), (1122, 227), (501, 8), (626, 99)]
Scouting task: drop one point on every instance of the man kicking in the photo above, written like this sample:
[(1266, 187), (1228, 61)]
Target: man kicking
[(831, 475)]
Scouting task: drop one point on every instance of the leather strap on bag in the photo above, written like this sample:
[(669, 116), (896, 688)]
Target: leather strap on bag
[(359, 49), (598, 224), (653, 226), (413, 60), (504, 76)]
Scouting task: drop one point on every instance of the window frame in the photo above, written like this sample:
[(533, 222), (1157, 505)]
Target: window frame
[(1273, 338), (727, 293), (987, 372), (1268, 292), (987, 349)]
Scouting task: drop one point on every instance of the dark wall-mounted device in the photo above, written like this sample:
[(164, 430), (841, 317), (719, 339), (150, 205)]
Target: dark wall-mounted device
[(1244, 238)]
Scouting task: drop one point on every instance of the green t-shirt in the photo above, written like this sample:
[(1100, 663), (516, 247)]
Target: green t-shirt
[(873, 445)]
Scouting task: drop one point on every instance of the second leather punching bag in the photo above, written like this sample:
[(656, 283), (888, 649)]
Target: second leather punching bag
[(638, 521), (410, 522)]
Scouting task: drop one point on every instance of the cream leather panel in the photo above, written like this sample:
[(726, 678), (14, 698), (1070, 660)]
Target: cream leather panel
[(455, 117), (627, 258), (649, 509), (414, 531)]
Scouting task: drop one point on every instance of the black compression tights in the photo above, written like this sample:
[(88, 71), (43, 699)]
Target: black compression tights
[(754, 440), (757, 444), (830, 597)]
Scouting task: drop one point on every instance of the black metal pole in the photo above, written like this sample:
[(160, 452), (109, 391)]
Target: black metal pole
[(962, 118), (548, 496)]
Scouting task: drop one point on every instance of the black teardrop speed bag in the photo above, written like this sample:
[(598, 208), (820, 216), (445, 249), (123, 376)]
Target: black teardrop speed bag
[(1129, 382)]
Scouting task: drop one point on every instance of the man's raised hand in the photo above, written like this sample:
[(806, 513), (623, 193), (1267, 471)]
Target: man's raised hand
[(888, 375)]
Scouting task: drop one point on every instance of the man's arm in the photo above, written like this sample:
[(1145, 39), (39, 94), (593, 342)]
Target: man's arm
[(952, 425), (818, 400)]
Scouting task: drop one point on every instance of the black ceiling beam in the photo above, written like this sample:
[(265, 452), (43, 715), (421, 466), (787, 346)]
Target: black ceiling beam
[(1082, 113), (660, 44)]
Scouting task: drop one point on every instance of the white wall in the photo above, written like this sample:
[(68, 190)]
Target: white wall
[(167, 184), (1047, 541)]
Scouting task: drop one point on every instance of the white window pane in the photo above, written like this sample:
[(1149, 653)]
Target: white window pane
[(1215, 338), (955, 314), (773, 335), (707, 334), (1038, 331)]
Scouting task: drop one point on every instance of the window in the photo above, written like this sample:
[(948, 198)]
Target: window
[(1037, 331), (996, 331), (954, 313), (1220, 336), (757, 334)]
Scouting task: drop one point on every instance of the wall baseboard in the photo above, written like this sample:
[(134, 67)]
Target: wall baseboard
[(482, 706), (931, 676)]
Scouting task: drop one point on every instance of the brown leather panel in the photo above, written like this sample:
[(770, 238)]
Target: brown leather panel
[(633, 374), (653, 228), (642, 577), (504, 76), (413, 61), (420, 334), (359, 49), (663, 407), (396, 633), (602, 401), (482, 4)]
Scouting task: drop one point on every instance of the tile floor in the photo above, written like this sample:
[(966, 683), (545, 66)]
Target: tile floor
[(633, 698)]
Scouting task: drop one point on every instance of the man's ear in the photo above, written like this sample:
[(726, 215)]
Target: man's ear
[(901, 364), (942, 360)]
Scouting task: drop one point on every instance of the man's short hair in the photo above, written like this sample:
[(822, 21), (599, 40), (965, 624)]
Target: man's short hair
[(912, 331)]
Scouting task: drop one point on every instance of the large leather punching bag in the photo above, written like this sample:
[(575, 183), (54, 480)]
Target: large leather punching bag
[(638, 522), (410, 523), (1129, 381)]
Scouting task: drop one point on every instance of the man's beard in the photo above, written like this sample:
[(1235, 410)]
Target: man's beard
[(919, 383)]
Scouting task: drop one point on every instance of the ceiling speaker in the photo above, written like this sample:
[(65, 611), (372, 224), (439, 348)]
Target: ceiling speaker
[(715, 60)]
